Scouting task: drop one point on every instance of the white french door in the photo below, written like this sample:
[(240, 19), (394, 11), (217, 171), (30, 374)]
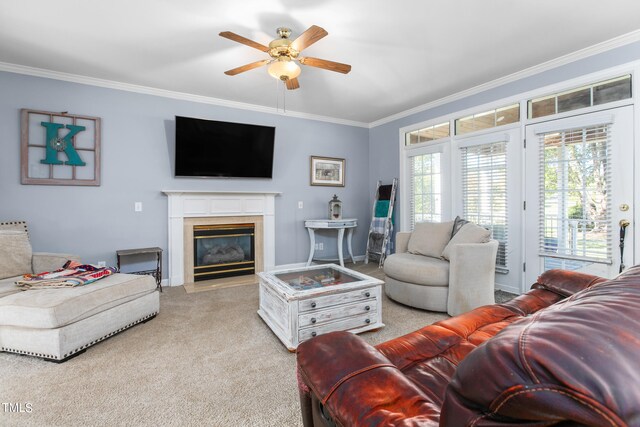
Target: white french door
[(489, 170), (578, 187)]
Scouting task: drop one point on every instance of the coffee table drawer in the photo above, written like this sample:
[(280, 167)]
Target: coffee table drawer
[(337, 312), (331, 300), (360, 321)]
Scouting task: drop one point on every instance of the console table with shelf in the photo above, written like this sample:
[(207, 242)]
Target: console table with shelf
[(156, 272), (340, 225)]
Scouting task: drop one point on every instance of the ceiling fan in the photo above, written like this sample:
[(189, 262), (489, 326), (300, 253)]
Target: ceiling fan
[(284, 55)]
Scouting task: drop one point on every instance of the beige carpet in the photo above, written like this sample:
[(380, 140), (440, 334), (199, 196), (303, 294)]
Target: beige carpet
[(207, 359)]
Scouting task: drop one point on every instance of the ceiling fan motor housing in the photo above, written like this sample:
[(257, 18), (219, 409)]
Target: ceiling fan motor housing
[(282, 47)]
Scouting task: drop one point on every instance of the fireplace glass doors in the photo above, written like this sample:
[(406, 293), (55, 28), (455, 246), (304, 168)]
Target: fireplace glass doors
[(223, 251)]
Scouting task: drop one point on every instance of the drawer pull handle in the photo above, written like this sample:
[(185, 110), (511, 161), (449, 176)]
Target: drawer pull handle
[(313, 334), (313, 320), (367, 321), (367, 308), (367, 294), (313, 305)]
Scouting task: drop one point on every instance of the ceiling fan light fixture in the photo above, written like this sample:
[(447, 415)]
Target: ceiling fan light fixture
[(284, 69)]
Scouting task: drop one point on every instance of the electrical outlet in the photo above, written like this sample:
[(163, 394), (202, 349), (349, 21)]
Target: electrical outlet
[(102, 264), (322, 246), (317, 247), (137, 207), (300, 205)]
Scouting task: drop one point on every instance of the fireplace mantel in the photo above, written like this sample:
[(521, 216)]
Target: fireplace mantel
[(194, 204)]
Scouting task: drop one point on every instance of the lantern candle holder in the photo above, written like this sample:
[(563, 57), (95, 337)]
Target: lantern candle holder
[(335, 208)]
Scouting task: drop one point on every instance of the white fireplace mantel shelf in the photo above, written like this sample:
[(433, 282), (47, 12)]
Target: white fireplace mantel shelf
[(197, 203), (172, 192)]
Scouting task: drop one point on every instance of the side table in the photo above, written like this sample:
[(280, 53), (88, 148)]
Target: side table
[(331, 224), (156, 273)]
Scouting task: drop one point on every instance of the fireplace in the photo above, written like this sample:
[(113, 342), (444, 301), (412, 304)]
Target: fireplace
[(190, 208), (225, 247), (223, 250)]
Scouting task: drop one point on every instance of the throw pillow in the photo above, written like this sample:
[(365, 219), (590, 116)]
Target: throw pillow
[(457, 225), (429, 238), (15, 253), (468, 233)]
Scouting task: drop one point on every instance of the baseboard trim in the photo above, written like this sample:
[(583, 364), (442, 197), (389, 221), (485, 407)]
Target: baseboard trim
[(356, 258), (507, 288)]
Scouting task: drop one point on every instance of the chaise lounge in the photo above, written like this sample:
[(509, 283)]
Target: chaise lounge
[(565, 353), (57, 324)]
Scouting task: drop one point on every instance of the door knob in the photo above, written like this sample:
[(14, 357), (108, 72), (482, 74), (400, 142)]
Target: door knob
[(624, 223)]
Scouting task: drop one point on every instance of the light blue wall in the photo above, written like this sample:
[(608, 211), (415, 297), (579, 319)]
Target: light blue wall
[(137, 163), (137, 157), (384, 162)]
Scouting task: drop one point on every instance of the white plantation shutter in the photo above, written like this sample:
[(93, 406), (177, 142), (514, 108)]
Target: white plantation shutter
[(484, 192), (425, 187), (575, 188)]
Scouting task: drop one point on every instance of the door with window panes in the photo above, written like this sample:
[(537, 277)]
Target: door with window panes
[(490, 196), (579, 186)]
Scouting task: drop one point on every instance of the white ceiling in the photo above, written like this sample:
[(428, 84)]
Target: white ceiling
[(404, 53)]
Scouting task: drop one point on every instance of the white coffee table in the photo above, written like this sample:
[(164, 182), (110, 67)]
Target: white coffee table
[(301, 303)]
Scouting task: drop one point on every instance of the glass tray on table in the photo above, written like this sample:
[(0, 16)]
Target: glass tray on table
[(315, 278)]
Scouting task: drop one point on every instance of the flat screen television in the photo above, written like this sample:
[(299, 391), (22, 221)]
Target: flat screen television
[(208, 148)]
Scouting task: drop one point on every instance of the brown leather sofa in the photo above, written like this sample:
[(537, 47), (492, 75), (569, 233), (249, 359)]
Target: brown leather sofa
[(566, 353)]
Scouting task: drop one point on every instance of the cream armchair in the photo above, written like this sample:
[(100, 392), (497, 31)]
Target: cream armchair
[(434, 271)]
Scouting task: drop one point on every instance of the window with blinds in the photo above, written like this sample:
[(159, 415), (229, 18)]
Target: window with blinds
[(484, 192), (575, 207), (426, 188)]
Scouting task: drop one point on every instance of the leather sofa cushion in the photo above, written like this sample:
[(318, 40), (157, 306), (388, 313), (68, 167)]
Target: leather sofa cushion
[(15, 253), (579, 357), (417, 269), (468, 233), (430, 238), (53, 308)]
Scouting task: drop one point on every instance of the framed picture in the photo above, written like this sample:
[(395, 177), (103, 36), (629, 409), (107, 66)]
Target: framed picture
[(327, 171), (59, 148)]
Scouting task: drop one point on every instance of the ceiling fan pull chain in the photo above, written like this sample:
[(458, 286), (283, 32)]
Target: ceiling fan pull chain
[(277, 98)]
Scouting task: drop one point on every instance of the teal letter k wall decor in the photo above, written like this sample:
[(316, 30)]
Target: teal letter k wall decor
[(55, 144)]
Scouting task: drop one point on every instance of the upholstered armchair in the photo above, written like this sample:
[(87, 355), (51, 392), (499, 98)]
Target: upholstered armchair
[(440, 267)]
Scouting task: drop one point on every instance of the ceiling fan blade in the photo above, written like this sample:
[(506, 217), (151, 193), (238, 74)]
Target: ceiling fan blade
[(327, 65), (309, 37), (236, 38), (292, 83), (247, 67)]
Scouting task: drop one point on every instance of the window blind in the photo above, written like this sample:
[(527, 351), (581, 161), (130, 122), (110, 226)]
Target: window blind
[(425, 188), (574, 188), (484, 192)]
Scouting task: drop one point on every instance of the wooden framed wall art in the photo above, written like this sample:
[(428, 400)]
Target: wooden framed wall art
[(59, 148), (327, 171)]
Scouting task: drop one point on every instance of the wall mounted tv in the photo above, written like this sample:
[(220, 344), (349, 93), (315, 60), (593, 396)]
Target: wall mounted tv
[(207, 148)]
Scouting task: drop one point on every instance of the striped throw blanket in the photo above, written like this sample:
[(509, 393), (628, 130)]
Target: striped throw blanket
[(377, 234), (70, 275)]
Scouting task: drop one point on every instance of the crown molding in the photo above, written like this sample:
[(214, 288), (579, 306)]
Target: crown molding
[(605, 46), (619, 41), (110, 84)]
